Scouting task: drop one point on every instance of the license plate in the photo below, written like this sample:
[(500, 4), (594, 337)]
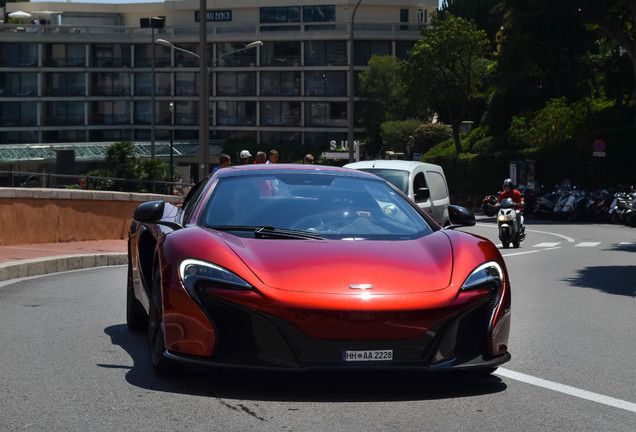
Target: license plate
[(367, 355)]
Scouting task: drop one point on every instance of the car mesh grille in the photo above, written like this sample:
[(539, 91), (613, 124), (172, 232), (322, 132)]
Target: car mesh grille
[(234, 327), (473, 330)]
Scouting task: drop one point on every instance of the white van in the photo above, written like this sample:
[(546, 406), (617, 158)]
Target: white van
[(424, 183)]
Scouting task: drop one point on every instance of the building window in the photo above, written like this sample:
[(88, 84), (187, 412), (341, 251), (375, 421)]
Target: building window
[(19, 137), (280, 54), (280, 113), (325, 83), (185, 113), (110, 84), (241, 58), (325, 53), (280, 83), (319, 13), (116, 55), (61, 55), (110, 113), (19, 84), (363, 50), (326, 114), (236, 113), (282, 14), (186, 84), (402, 49), (18, 54), (236, 83), (64, 84), (58, 136), (182, 59), (63, 113), (112, 135), (18, 114), (142, 112)]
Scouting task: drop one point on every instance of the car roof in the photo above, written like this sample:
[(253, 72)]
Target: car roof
[(392, 164), (241, 170)]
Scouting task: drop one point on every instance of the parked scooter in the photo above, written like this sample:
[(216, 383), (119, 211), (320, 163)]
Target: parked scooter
[(509, 221)]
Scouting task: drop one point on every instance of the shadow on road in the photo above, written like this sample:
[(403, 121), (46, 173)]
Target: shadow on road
[(619, 280), (341, 386)]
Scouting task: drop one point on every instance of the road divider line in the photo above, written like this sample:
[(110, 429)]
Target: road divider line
[(588, 244), (566, 238), (529, 252), (568, 390)]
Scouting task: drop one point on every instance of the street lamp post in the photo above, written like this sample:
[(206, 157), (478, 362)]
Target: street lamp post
[(204, 92), (350, 108), (171, 145), (204, 113)]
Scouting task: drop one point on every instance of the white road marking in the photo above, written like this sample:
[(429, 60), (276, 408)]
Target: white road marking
[(547, 245), (566, 389), (587, 244), (566, 238), (528, 252)]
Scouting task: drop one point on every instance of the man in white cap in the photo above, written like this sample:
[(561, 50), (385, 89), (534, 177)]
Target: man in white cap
[(245, 157)]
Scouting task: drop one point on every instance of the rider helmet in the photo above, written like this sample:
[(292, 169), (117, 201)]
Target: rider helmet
[(509, 182)]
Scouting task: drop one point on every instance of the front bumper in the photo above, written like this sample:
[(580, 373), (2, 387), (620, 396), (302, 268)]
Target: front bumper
[(248, 338)]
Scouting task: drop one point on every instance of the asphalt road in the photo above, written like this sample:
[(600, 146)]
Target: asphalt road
[(67, 361)]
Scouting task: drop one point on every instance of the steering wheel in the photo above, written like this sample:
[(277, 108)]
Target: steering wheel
[(322, 221)]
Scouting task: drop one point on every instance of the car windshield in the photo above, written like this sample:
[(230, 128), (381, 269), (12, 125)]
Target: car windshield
[(398, 178), (314, 205)]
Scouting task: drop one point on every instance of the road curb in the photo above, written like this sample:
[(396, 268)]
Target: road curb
[(42, 266)]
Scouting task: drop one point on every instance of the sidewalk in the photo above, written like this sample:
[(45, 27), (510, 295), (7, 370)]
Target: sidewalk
[(19, 261)]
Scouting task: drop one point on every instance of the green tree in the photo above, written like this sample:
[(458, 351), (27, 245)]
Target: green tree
[(383, 94), (487, 14), (398, 135), (443, 70), (540, 56), (617, 20)]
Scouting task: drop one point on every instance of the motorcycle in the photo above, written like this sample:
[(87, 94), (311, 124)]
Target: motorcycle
[(509, 223)]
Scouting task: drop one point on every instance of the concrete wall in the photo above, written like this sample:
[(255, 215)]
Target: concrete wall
[(61, 215)]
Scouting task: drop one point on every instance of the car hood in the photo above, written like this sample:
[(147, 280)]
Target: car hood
[(338, 266)]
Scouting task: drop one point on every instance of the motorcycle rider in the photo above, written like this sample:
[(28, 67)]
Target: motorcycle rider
[(509, 191)]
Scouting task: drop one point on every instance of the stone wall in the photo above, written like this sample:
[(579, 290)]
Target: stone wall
[(60, 215)]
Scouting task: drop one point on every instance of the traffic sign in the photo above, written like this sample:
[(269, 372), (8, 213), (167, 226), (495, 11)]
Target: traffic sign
[(599, 146)]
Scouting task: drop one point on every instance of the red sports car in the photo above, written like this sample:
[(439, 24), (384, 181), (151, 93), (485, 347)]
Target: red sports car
[(301, 267)]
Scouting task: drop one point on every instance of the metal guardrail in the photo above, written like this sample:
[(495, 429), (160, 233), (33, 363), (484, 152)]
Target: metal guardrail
[(44, 180)]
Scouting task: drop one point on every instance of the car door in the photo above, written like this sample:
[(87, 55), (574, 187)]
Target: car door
[(419, 181), (439, 199)]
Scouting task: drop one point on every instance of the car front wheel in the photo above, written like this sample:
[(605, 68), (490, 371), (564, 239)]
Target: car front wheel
[(160, 363)]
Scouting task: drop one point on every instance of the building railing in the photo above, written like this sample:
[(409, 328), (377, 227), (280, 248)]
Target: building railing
[(74, 181)]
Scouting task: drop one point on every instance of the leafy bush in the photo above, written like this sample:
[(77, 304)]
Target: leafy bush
[(398, 134), (428, 135)]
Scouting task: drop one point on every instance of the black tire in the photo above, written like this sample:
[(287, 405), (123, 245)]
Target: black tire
[(136, 317), (515, 243), (160, 363)]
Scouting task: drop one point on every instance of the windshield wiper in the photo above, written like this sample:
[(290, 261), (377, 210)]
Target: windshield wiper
[(270, 232)]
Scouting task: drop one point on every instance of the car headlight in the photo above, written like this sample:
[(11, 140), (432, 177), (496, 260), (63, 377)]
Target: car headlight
[(487, 275), (193, 271)]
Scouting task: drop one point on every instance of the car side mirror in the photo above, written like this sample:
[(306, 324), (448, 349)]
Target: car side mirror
[(422, 194), (460, 216), (151, 211)]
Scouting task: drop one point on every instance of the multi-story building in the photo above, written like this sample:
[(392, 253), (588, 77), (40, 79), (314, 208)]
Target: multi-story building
[(83, 76)]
